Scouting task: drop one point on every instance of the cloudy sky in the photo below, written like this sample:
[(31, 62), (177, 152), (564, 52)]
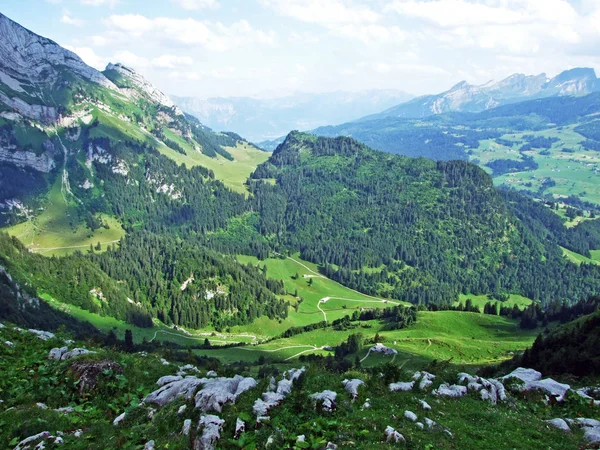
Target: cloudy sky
[(267, 48)]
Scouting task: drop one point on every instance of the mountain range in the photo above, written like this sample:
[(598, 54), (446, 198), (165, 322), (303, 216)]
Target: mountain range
[(262, 119), (516, 88), (160, 282)]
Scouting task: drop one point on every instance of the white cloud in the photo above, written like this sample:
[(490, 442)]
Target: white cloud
[(109, 3), (89, 57), (323, 12), (211, 35), (171, 61), (512, 26), (341, 18), (197, 4), (69, 20), (130, 59)]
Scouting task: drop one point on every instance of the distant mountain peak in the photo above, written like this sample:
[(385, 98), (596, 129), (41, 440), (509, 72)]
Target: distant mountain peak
[(141, 83), (515, 88), (458, 86)]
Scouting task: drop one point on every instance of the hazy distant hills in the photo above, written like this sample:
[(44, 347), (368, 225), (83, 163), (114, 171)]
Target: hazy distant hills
[(260, 120), (516, 88)]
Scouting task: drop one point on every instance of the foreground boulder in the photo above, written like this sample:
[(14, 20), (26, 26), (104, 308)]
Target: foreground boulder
[(531, 380), (352, 386), (276, 394), (87, 373), (391, 435), (211, 427), (63, 353), (214, 394), (446, 390), (327, 398), (490, 390)]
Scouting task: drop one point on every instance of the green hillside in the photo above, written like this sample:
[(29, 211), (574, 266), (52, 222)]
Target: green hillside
[(547, 147), (413, 229)]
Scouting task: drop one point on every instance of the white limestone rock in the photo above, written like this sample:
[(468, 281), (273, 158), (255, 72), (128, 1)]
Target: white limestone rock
[(454, 391), (327, 397), (240, 427), (274, 396), (392, 435), (42, 163), (401, 386), (211, 427), (425, 405), (268, 401), (430, 423), (25, 443), (380, 348), (559, 423), (351, 386), (174, 389), (525, 375), (426, 379), (43, 335), (187, 425), (218, 391), (149, 445), (119, 419), (592, 435), (63, 353), (409, 415)]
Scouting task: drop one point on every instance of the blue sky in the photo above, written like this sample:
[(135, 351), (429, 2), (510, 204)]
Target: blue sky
[(268, 48)]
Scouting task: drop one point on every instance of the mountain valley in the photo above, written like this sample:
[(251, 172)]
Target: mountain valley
[(165, 285)]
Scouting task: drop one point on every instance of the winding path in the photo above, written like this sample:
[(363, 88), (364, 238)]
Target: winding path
[(202, 336)]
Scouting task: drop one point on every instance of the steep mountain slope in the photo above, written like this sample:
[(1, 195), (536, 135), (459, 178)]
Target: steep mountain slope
[(259, 120), (518, 87), (60, 122), (546, 146), (412, 229)]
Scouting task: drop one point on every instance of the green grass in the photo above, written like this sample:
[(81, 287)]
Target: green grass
[(232, 173), (579, 259), (308, 312), (56, 231), (574, 173), (473, 423), (159, 332), (463, 338)]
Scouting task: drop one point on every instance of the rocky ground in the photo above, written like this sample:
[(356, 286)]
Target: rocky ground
[(57, 393)]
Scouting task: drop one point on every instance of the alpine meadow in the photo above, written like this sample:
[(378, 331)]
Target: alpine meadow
[(251, 225)]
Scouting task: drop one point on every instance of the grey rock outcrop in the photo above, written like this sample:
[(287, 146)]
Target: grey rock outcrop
[(351, 386), (63, 353), (327, 398), (211, 427), (401, 386), (559, 423), (391, 435), (447, 390), (145, 86), (532, 380)]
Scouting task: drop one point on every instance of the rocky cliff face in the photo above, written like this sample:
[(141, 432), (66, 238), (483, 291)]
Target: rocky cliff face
[(144, 86), (27, 60)]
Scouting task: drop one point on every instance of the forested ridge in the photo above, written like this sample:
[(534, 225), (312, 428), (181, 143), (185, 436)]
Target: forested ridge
[(386, 225), (412, 229)]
